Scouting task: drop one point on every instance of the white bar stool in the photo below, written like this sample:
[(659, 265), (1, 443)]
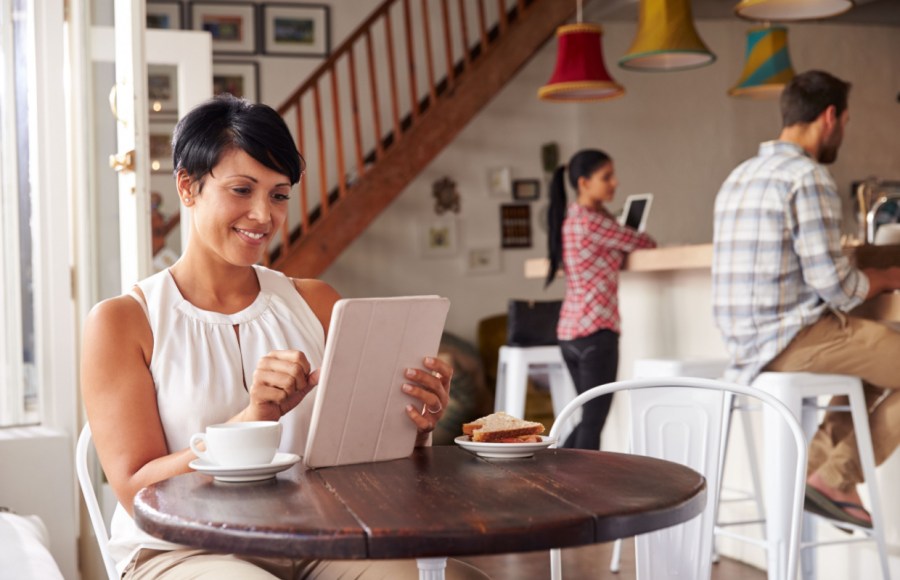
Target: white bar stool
[(513, 367), (800, 393)]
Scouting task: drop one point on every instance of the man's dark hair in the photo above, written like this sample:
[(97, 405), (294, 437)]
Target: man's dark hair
[(809, 94), (226, 122)]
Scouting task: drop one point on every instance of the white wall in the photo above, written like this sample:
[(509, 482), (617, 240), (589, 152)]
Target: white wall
[(675, 134)]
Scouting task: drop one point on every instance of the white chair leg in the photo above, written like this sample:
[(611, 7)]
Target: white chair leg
[(555, 564), (511, 393), (431, 568), (616, 560), (859, 413)]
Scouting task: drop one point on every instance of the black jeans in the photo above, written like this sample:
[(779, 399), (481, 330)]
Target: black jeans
[(592, 360)]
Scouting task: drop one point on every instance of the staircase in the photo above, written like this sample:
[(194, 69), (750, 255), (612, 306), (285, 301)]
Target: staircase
[(366, 132)]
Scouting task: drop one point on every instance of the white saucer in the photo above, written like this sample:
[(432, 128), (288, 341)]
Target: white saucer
[(233, 474), (503, 450)]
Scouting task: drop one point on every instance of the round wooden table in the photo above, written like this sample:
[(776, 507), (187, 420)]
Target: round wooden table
[(439, 502)]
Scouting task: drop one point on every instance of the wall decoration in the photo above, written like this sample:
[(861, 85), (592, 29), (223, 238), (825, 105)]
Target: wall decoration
[(526, 189), (161, 146), (241, 79), (296, 29), (484, 260), (232, 25), (162, 90), (500, 181), (164, 14), (437, 238), (446, 198), (515, 225)]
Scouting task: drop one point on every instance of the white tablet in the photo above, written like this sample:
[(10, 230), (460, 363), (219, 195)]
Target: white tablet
[(359, 413), (636, 210)]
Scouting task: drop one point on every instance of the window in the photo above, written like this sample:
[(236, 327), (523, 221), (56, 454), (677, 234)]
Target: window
[(17, 357)]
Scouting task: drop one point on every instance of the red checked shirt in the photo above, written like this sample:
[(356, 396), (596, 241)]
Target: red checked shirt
[(594, 249)]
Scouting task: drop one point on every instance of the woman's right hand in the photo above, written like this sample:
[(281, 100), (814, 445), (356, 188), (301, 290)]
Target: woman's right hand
[(281, 380)]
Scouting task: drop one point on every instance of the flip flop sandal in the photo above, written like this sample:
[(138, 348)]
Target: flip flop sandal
[(834, 509), (811, 507)]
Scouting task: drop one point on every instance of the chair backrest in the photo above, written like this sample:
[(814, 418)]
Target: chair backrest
[(82, 468), (680, 419)]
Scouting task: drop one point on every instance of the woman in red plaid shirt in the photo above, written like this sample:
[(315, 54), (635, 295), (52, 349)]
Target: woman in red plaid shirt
[(590, 245)]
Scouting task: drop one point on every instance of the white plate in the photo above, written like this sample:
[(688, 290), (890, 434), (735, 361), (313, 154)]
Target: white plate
[(503, 450), (233, 474)]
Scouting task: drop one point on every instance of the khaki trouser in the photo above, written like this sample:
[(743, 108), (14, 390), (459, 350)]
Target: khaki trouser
[(848, 345), (202, 565)]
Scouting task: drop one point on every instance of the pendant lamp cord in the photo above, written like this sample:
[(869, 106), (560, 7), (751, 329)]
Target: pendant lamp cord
[(579, 11)]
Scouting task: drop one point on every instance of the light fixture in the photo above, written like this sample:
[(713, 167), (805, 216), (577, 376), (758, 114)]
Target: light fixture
[(768, 65), (666, 39), (791, 10), (580, 73)]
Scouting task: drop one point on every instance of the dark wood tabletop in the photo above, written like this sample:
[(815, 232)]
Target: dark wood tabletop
[(441, 501)]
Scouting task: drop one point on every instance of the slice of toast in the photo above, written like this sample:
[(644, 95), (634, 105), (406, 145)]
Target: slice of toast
[(500, 426)]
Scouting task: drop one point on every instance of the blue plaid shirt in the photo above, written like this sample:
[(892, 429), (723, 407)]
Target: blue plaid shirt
[(777, 259)]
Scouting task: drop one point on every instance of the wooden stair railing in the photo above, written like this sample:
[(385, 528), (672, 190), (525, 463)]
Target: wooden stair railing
[(349, 200)]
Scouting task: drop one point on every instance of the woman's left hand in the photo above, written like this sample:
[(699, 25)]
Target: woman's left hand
[(432, 388)]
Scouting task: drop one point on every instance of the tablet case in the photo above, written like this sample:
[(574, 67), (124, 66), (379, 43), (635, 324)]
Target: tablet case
[(359, 413)]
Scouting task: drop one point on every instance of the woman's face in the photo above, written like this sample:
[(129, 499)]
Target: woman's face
[(241, 207), (600, 187)]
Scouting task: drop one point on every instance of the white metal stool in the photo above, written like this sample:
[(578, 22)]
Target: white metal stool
[(800, 393), (513, 366)]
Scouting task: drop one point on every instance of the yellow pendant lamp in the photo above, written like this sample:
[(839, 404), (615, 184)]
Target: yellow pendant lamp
[(768, 65), (666, 39), (791, 10)]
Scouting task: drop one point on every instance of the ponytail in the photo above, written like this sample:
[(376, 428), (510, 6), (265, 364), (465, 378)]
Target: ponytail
[(556, 214)]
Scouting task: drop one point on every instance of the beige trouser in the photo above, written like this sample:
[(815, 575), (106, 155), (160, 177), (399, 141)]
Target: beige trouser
[(202, 565), (848, 345)]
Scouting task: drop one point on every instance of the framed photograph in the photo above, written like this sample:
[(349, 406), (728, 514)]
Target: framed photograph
[(515, 225), (161, 146), (241, 79), (232, 25), (162, 90), (484, 260), (296, 29), (526, 189), (164, 14), (437, 238), (499, 181)]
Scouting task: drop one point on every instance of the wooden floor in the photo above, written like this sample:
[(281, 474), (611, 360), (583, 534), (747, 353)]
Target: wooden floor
[(590, 562)]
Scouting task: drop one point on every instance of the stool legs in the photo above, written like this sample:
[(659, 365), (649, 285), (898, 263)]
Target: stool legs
[(512, 382)]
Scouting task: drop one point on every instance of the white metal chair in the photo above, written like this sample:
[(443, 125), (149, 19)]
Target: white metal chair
[(82, 468), (681, 419)]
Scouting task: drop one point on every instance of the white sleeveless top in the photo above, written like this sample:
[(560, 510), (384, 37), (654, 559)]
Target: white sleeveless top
[(201, 371)]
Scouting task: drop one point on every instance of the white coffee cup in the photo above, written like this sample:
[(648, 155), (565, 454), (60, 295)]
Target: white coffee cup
[(238, 444)]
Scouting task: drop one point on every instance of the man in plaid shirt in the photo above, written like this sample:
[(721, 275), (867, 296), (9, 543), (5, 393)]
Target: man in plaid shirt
[(782, 286)]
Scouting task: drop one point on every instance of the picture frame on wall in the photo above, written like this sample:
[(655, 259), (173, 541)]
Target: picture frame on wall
[(526, 189), (161, 146), (232, 25), (499, 181), (483, 260), (241, 79), (164, 14), (296, 29), (162, 90), (437, 238)]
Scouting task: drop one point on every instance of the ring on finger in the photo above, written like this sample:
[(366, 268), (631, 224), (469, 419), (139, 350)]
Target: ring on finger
[(432, 411)]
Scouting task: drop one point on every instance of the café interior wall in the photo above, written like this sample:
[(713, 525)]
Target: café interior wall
[(676, 134)]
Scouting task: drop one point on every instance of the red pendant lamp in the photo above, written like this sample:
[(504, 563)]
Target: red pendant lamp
[(580, 74)]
